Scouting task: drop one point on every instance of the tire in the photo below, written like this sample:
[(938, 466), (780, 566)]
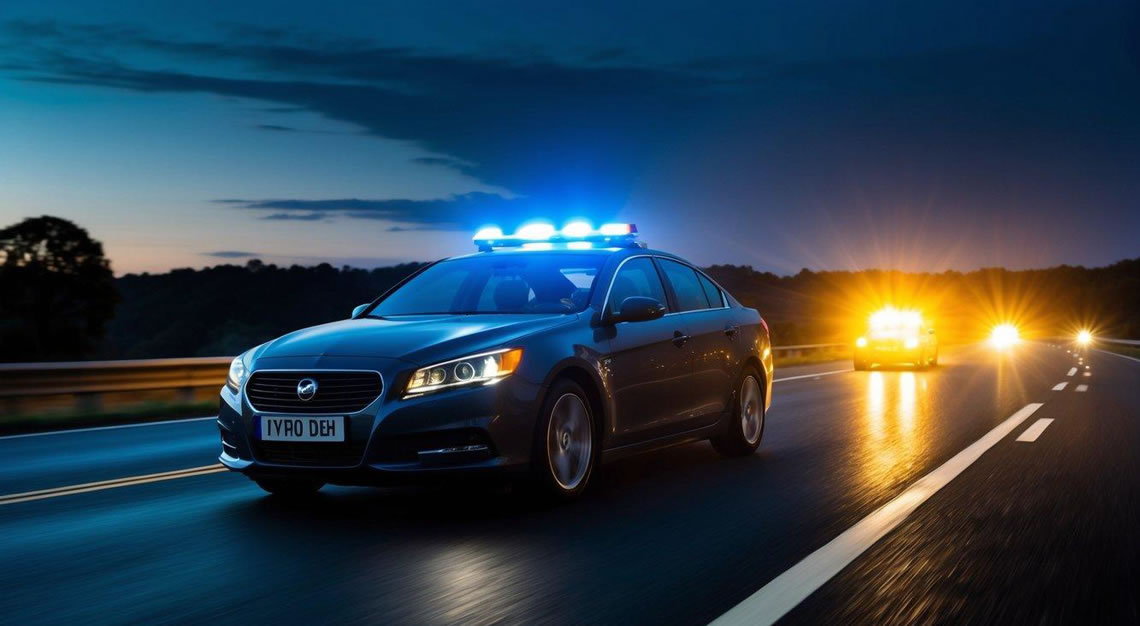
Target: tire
[(746, 427), (566, 446), (290, 488)]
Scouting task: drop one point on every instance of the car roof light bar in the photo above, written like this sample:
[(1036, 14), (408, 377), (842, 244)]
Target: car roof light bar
[(576, 235)]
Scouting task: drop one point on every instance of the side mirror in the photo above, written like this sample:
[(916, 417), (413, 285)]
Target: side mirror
[(358, 310), (638, 309)]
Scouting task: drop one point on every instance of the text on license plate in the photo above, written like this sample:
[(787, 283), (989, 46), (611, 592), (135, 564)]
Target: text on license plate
[(288, 428)]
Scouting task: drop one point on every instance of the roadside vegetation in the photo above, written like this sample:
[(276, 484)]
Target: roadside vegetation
[(61, 301), (71, 418)]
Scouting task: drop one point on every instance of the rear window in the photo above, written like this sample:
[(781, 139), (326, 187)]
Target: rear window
[(686, 286)]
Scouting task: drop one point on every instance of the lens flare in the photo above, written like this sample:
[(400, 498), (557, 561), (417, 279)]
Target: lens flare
[(1084, 337), (1004, 336)]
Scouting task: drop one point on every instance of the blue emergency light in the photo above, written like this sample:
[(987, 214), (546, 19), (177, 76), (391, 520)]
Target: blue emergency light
[(575, 235)]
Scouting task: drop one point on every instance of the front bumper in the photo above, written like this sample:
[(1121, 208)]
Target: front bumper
[(485, 430)]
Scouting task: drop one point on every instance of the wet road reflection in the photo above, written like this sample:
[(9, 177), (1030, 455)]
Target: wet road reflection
[(894, 435)]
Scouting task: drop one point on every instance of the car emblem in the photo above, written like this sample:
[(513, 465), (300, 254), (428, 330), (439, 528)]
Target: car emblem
[(306, 389)]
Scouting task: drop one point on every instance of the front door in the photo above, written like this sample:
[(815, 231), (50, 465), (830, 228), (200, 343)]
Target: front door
[(649, 363)]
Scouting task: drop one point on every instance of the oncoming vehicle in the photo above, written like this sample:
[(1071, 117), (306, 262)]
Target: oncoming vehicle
[(536, 358), (896, 337)]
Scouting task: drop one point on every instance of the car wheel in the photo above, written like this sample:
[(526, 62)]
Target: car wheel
[(746, 428), (291, 488), (565, 443)]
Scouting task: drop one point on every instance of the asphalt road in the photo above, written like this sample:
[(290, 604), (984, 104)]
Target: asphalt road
[(1041, 531)]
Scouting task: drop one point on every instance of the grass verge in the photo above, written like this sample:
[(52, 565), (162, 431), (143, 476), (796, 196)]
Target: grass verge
[(62, 420)]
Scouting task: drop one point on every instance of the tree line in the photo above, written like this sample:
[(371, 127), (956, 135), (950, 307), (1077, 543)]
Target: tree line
[(61, 301)]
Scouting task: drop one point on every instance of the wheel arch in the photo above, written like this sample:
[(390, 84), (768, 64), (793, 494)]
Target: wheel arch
[(588, 379)]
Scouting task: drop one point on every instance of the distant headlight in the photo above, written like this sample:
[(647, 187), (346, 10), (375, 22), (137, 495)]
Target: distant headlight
[(470, 370), (861, 342), (237, 373), (911, 343)]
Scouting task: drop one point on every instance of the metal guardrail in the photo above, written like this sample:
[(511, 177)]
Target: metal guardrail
[(1127, 342), (31, 386), (23, 384), (794, 351)]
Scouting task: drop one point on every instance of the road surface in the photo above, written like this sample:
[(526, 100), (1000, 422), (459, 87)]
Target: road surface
[(876, 497)]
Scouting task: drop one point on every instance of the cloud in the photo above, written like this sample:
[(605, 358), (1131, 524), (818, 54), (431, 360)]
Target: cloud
[(460, 212), (294, 217), (230, 254), (570, 133), (276, 127)]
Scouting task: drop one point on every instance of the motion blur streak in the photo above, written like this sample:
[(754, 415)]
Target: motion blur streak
[(781, 595), (675, 536)]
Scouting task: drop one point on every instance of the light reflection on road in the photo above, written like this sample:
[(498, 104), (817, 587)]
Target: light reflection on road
[(894, 438)]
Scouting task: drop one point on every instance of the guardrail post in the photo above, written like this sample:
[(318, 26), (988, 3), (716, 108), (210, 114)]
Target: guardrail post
[(13, 406), (185, 395), (89, 402)]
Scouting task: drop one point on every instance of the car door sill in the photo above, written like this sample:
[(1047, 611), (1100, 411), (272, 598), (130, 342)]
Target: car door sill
[(658, 443)]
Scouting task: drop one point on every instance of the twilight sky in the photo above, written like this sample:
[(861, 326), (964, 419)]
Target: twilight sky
[(831, 135)]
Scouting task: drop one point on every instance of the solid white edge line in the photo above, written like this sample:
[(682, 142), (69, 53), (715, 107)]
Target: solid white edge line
[(787, 590), (115, 427), (780, 380), (1123, 356), (1034, 431), (1082, 388), (109, 484), (130, 484), (1071, 371), (1060, 386)]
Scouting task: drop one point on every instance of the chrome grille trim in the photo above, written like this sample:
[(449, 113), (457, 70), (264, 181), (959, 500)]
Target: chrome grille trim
[(339, 392)]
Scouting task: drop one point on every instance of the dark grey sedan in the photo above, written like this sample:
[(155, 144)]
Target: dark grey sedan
[(529, 361)]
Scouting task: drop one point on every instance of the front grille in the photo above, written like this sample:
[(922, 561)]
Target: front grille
[(337, 392), (325, 454)]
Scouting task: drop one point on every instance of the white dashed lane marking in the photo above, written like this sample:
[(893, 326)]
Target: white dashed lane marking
[(1059, 386), (1082, 388), (1072, 371), (1033, 432)]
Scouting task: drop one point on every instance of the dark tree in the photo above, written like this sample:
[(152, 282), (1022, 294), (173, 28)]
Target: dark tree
[(56, 291)]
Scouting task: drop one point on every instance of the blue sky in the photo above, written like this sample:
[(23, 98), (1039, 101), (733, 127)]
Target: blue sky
[(921, 136)]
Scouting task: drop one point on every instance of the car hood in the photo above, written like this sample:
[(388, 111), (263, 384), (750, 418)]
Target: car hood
[(418, 339)]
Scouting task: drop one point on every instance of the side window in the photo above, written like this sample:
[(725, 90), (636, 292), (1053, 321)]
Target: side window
[(711, 292), (690, 295), (637, 277)]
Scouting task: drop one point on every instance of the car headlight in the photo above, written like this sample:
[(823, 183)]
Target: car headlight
[(237, 374), (470, 370), (911, 343), (861, 342)]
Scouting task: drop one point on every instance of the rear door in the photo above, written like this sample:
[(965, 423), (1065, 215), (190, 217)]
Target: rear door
[(649, 362), (711, 336)]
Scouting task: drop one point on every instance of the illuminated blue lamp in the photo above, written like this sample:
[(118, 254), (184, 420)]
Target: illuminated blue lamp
[(575, 235)]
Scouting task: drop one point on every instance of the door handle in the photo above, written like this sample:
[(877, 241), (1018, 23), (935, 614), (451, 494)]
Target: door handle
[(679, 339), (731, 330)]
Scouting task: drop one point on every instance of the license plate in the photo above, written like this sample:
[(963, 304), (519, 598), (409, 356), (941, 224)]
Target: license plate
[(298, 428)]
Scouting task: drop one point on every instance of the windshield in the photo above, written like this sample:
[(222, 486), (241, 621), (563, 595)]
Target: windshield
[(515, 283)]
